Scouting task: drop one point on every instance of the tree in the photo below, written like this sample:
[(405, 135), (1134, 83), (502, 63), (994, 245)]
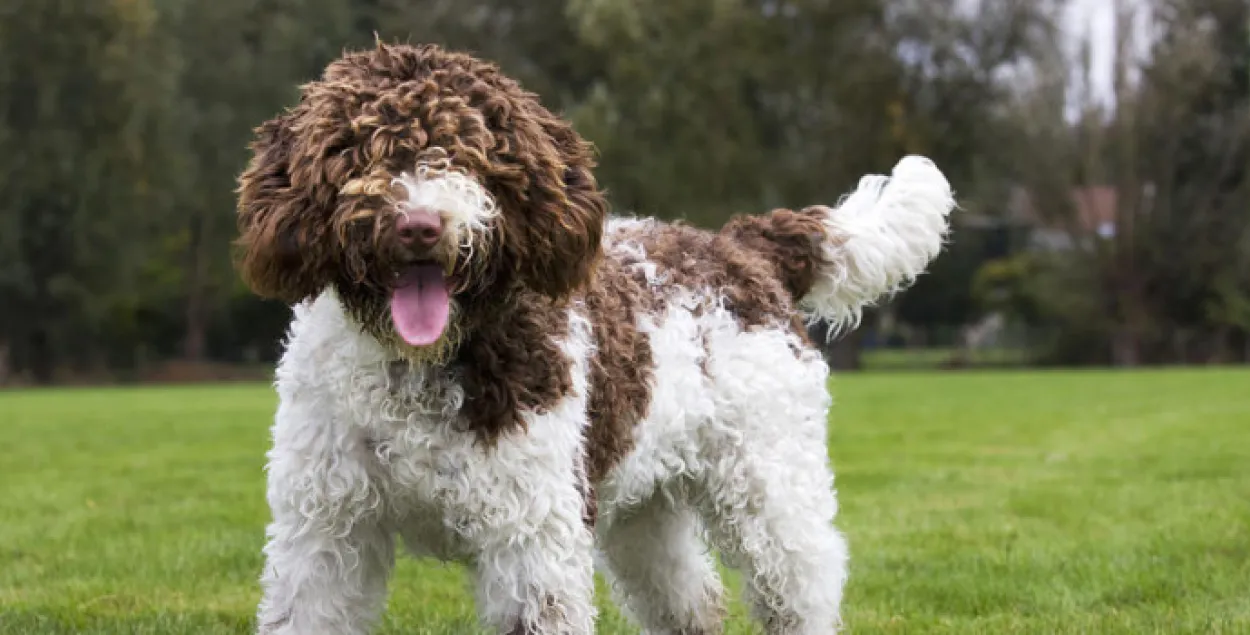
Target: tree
[(707, 108), (82, 154), (240, 63), (962, 64), (1173, 153)]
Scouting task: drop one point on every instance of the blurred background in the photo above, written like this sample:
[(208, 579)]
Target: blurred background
[(1100, 150)]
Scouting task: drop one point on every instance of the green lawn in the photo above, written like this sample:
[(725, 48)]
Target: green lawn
[(975, 503)]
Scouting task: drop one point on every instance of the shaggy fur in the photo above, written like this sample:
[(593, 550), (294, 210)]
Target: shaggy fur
[(621, 389)]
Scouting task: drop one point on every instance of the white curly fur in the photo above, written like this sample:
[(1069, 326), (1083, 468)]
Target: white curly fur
[(731, 452), (884, 234), (467, 208)]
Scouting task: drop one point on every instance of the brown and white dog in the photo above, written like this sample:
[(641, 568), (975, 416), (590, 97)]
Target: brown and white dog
[(487, 368)]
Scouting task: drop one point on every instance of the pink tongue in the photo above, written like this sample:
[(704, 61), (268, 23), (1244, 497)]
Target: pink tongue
[(420, 304)]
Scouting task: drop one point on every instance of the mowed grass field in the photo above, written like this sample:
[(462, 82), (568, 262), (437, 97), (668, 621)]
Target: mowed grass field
[(1075, 502)]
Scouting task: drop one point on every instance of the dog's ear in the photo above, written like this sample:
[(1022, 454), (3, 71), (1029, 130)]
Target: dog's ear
[(555, 243), (284, 246)]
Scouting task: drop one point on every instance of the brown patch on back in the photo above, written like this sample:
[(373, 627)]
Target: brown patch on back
[(757, 266), (791, 241), (718, 263)]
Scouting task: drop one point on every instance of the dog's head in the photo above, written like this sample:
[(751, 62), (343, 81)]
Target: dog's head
[(416, 182)]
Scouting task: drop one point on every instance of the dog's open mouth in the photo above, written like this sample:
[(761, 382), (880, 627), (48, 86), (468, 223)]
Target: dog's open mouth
[(420, 303)]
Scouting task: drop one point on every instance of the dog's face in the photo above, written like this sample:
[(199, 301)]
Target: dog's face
[(422, 185)]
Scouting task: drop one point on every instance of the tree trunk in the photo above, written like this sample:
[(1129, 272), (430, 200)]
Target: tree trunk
[(1222, 343), (1125, 347), (1129, 314), (845, 353), (42, 364), (195, 340), (5, 365)]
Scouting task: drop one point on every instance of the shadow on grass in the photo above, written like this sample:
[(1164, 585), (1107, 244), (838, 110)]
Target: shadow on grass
[(59, 622)]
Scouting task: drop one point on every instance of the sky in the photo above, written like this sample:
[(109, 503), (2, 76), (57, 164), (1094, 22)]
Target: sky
[(1092, 20), (1095, 19)]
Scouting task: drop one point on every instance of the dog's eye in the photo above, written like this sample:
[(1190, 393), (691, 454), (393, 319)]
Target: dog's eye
[(289, 241), (572, 177)]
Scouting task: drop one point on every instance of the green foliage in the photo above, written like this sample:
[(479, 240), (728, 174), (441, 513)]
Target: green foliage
[(1173, 157), (947, 293), (706, 108), (982, 503), (82, 124), (1002, 285), (123, 125)]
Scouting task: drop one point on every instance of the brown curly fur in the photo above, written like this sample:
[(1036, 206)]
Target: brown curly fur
[(316, 211), (621, 372), (790, 241), (759, 265), (371, 116)]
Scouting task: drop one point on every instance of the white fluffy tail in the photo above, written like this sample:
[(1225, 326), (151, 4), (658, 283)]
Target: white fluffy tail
[(880, 237)]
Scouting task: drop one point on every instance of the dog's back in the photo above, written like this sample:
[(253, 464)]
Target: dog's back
[(768, 275)]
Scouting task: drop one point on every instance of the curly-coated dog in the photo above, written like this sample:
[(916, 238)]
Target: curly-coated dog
[(486, 368)]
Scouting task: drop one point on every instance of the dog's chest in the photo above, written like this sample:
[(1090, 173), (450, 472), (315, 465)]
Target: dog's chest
[(418, 443), (431, 466), (427, 471)]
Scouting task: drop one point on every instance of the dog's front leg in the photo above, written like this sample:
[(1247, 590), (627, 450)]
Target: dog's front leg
[(329, 551), (314, 583), (535, 572)]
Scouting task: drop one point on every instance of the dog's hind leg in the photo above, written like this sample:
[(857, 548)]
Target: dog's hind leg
[(776, 527), (766, 488), (660, 570), (778, 531)]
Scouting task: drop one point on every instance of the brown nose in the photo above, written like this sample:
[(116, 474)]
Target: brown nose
[(419, 228)]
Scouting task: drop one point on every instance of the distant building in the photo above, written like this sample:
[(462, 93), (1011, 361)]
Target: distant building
[(1094, 214)]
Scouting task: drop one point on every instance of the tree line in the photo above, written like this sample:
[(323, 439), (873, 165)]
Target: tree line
[(124, 124)]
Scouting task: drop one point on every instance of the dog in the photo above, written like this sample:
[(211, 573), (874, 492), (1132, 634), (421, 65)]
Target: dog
[(484, 366)]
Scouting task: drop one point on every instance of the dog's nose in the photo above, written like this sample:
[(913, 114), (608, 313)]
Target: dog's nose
[(419, 228)]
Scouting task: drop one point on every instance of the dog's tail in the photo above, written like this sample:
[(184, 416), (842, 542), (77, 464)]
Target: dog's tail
[(837, 260)]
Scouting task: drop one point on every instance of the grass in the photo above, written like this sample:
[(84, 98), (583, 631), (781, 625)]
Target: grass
[(1087, 502), (932, 358)]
